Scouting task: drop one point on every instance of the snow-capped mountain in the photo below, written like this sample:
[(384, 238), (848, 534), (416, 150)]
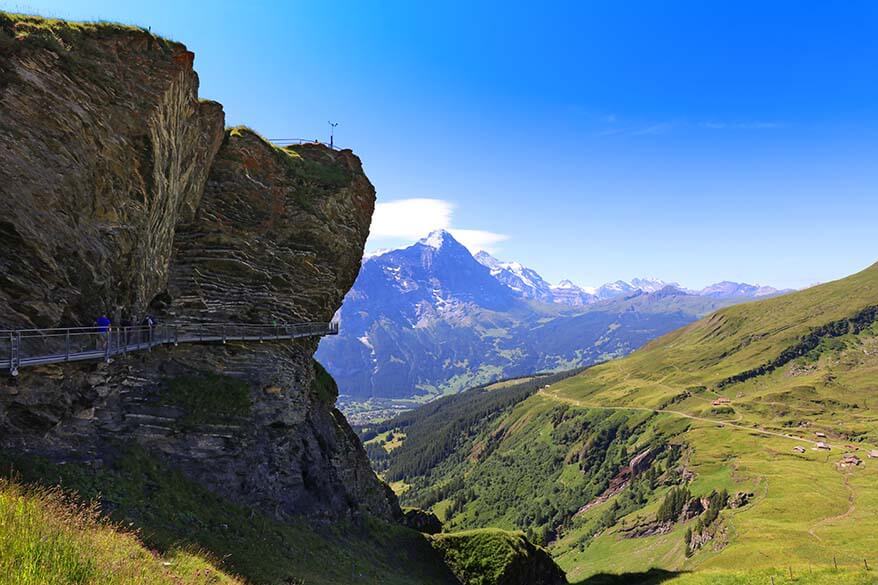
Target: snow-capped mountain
[(568, 293), (621, 288), (431, 319), (728, 289), (523, 281), (615, 289), (435, 275), (526, 283), (650, 284)]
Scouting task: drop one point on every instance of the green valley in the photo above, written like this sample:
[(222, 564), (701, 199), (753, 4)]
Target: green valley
[(767, 404)]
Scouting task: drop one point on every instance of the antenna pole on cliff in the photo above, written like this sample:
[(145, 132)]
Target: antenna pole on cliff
[(332, 126)]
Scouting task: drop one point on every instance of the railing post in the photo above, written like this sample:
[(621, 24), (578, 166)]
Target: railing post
[(223, 330), (176, 336), (67, 346), (109, 341), (13, 367), (17, 355)]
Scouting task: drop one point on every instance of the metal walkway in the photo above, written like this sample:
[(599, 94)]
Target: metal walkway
[(33, 347)]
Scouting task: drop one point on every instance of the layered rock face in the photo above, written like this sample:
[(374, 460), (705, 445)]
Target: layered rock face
[(278, 236), (118, 188), (104, 146)]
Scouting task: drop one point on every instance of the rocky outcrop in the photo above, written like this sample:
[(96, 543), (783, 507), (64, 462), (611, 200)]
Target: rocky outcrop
[(497, 557), (278, 235), (119, 189), (104, 147), (422, 520)]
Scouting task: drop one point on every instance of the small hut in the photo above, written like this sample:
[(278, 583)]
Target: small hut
[(824, 446), (799, 449), (850, 460), (820, 435)]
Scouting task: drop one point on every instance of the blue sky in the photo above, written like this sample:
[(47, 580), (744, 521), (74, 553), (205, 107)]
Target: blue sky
[(693, 141)]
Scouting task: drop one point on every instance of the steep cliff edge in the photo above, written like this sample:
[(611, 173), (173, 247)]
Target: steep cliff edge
[(119, 191), (104, 147)]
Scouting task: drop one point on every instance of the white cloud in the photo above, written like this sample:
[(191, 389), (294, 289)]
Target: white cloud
[(408, 220), (477, 240)]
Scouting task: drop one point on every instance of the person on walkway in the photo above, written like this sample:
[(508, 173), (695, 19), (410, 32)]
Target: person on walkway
[(103, 323), (149, 323)]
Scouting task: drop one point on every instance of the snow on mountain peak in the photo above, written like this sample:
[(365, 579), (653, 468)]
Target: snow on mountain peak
[(566, 284), (487, 260), (651, 284), (368, 255), (436, 239)]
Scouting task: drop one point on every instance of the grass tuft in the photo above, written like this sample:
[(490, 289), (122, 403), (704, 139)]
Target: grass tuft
[(48, 537)]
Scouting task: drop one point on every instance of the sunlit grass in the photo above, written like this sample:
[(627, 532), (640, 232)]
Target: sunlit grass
[(48, 538)]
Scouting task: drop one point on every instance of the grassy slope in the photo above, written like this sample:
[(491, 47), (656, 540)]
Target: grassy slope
[(523, 471), (47, 540), (726, 343), (175, 514), (807, 510)]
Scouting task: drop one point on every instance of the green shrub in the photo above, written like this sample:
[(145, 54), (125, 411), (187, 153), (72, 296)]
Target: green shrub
[(323, 385)]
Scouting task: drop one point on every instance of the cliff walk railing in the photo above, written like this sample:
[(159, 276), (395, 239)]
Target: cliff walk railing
[(295, 141), (33, 347)]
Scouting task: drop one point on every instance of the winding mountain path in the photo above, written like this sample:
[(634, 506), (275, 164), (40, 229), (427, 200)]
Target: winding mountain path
[(846, 514), (554, 396)]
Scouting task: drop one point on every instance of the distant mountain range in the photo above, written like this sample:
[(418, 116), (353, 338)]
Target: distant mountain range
[(432, 319), (528, 284)]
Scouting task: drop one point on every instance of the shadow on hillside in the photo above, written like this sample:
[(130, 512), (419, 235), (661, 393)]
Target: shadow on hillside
[(651, 577)]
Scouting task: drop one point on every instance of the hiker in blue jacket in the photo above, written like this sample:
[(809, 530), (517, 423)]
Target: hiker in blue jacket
[(103, 322)]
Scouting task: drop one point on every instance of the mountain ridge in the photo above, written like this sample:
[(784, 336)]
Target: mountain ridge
[(431, 319), (528, 283)]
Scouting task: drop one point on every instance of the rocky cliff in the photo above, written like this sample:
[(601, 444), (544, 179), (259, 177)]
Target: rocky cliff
[(104, 148), (120, 191)]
